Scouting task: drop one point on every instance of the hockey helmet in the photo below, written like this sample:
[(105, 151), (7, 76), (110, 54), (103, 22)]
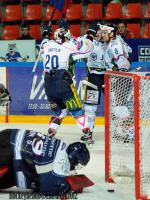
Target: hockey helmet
[(61, 34), (78, 153), (93, 28), (47, 32), (4, 96)]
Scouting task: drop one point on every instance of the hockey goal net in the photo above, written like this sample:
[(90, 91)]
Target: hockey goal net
[(127, 130)]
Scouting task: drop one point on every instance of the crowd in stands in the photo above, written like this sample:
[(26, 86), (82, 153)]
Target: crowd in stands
[(132, 17)]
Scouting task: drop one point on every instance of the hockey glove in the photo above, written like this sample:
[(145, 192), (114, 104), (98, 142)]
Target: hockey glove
[(63, 24), (47, 32)]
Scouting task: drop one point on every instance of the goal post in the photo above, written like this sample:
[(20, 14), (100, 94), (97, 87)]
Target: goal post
[(127, 130)]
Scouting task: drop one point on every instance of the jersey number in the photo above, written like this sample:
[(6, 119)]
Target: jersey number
[(52, 60), (37, 144)]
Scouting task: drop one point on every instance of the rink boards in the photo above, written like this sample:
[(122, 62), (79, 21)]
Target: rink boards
[(29, 103)]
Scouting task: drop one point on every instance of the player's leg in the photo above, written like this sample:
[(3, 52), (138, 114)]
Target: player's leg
[(92, 100), (58, 114), (74, 105), (52, 93), (72, 102)]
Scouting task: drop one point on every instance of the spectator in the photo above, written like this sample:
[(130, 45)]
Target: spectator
[(25, 32), (122, 30)]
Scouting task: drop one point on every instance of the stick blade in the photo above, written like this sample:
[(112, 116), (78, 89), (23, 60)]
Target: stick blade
[(78, 182)]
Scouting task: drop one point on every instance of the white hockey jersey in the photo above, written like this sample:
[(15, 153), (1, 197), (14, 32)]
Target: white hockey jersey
[(56, 54), (95, 61), (117, 52)]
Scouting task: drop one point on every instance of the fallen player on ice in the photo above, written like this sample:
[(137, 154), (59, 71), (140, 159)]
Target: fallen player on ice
[(31, 160)]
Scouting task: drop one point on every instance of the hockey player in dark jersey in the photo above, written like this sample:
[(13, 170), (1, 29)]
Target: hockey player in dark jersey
[(31, 160), (4, 96)]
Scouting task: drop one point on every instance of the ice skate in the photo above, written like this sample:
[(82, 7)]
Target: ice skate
[(87, 138), (51, 132)]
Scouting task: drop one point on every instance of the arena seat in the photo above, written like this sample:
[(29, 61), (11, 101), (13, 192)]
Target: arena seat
[(146, 31), (12, 13), (133, 11), (113, 11), (93, 12), (11, 32), (75, 29), (33, 12), (74, 12), (35, 31), (147, 12), (49, 9), (135, 28)]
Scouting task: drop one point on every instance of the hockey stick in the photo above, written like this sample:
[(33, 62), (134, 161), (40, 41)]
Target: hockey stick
[(138, 68), (49, 24), (53, 12)]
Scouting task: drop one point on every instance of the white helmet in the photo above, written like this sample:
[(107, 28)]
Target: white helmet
[(61, 34)]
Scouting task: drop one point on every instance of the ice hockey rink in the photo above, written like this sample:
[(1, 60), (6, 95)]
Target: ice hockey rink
[(95, 168)]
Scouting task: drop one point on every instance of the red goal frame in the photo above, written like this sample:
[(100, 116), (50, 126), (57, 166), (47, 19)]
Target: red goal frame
[(108, 178)]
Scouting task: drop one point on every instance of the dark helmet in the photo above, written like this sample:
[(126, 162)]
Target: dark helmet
[(93, 28), (4, 96), (2, 88), (47, 32), (78, 154)]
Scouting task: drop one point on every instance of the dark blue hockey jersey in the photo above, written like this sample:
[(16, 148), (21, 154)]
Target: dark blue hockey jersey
[(40, 162)]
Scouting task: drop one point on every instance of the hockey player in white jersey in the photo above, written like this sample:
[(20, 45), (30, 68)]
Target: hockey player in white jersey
[(59, 86), (117, 51), (95, 76), (116, 58)]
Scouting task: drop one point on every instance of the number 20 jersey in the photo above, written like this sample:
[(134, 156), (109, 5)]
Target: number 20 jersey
[(56, 54)]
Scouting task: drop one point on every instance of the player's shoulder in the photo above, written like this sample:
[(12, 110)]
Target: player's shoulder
[(114, 43), (47, 42)]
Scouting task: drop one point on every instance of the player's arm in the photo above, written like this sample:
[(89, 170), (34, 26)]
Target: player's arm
[(86, 47), (53, 184), (86, 43), (121, 63)]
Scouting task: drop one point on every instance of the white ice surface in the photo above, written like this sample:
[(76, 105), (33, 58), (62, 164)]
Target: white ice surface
[(94, 170)]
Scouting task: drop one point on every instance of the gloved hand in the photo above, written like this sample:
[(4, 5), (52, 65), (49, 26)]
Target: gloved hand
[(63, 24), (47, 32)]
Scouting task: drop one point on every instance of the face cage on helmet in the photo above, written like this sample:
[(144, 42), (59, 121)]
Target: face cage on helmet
[(68, 35)]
